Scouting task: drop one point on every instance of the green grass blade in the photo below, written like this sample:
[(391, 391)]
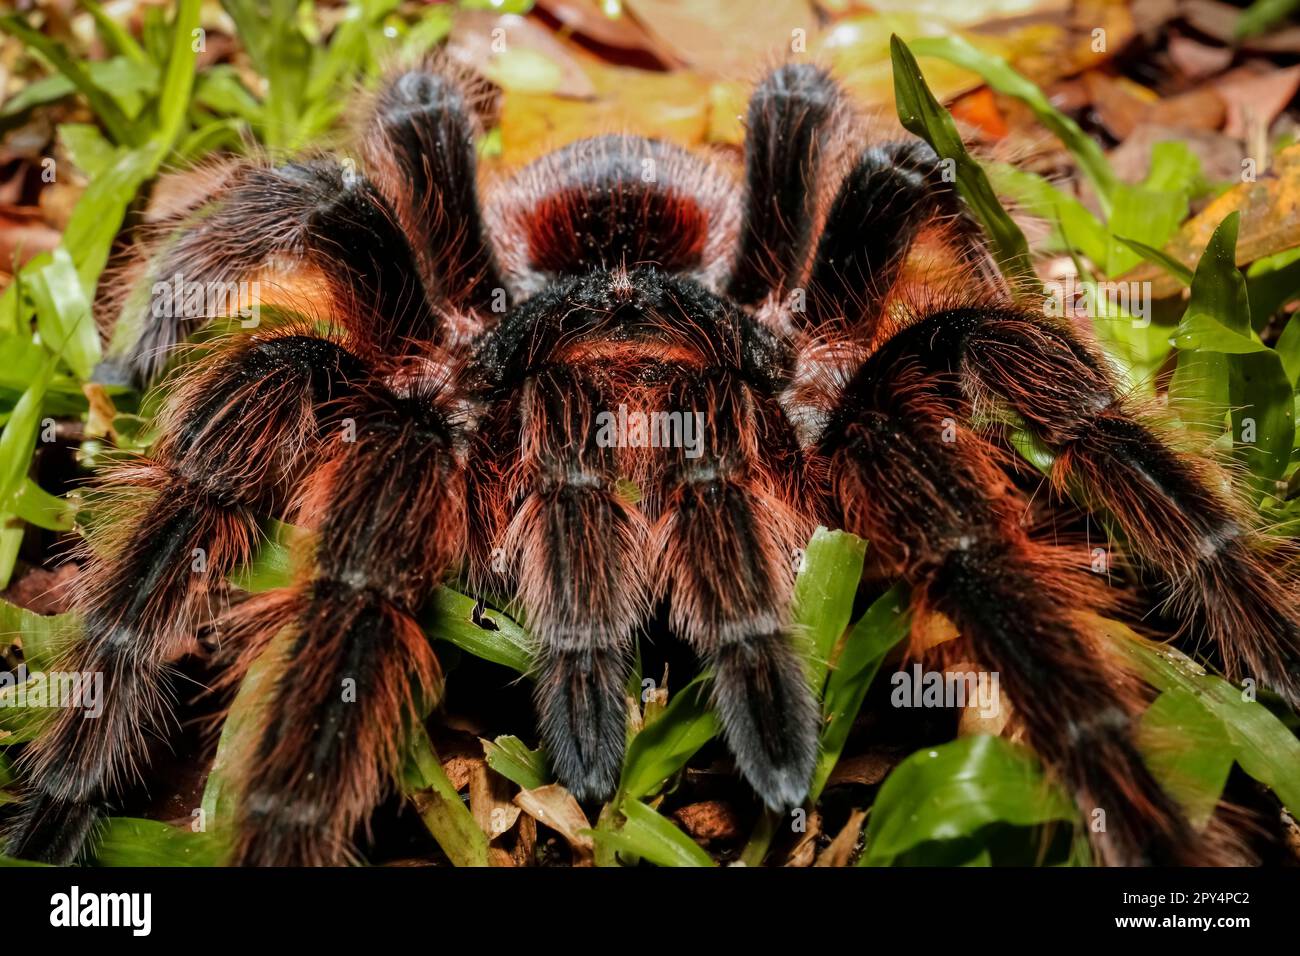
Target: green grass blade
[(650, 836), (115, 36), (823, 594), (509, 757), (1158, 257), (448, 819), (921, 114), (127, 841), (178, 81), (664, 747), (884, 625), (1263, 15), (1001, 77)]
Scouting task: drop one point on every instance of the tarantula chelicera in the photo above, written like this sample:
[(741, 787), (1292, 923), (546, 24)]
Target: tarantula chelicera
[(451, 408)]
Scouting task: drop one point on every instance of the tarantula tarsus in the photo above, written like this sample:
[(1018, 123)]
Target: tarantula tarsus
[(473, 355)]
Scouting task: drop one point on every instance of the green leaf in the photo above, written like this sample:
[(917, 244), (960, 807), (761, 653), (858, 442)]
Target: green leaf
[(823, 594), (115, 36), (37, 506), (1272, 283), (509, 757), (884, 625), (64, 314), (11, 540), (450, 617), (178, 82), (1263, 409), (1262, 15), (650, 836), (1152, 211), (954, 790), (127, 841), (664, 747), (18, 440), (1074, 227), (238, 740), (448, 819), (1243, 374), (272, 566), (45, 636), (98, 216), (1265, 748), (999, 75), (1288, 350), (86, 145), (921, 114), (1189, 751), (1158, 257)]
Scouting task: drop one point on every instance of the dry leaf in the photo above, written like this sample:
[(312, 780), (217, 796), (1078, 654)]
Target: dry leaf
[(672, 106), (517, 54), (1197, 60), (555, 807), (841, 848), (526, 842), (725, 38), (588, 20), (1270, 222), (805, 851), (1256, 96), (489, 801), (459, 770), (24, 233), (979, 110)]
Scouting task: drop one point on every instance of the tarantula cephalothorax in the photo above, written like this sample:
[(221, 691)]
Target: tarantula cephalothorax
[(457, 409)]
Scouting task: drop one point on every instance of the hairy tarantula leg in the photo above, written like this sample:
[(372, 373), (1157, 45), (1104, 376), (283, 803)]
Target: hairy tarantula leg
[(420, 146), (234, 431), (578, 550), (727, 565), (1230, 582), (892, 193), (725, 544), (356, 669), (792, 114), (944, 514), (319, 211)]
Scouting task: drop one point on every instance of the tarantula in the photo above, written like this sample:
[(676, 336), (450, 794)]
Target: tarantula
[(447, 412)]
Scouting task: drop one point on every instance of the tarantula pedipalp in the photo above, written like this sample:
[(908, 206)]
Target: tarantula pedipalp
[(457, 412)]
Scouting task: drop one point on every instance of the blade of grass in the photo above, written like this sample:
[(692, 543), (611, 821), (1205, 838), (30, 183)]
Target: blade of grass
[(651, 836), (1001, 77), (509, 757), (921, 114), (115, 36), (823, 594), (448, 819)]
